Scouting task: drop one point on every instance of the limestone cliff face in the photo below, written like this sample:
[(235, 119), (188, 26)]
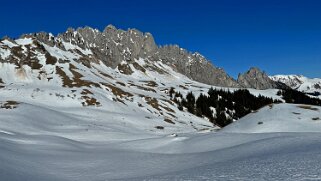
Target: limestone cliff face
[(119, 49), (255, 78), (115, 46)]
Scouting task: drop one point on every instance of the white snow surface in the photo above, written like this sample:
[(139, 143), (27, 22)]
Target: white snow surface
[(9, 43), (24, 41), (38, 143), (279, 118), (4, 54)]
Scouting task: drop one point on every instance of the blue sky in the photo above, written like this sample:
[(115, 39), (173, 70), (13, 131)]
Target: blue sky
[(279, 36)]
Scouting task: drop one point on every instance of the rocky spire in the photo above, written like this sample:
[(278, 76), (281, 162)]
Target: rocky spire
[(255, 78)]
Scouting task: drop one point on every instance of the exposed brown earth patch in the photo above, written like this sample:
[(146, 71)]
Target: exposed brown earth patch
[(90, 101), (117, 91), (121, 83), (150, 83), (125, 69), (168, 120), (308, 107), (153, 102), (9, 105), (138, 67), (76, 81), (143, 88), (50, 59)]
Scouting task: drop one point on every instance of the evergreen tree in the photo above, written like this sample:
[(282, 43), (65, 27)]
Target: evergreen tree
[(171, 92), (190, 98)]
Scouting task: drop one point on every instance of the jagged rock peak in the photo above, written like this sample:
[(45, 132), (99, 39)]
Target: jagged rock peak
[(109, 27), (115, 46), (257, 79)]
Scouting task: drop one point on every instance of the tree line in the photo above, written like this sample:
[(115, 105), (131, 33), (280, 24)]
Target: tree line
[(297, 97), (219, 106)]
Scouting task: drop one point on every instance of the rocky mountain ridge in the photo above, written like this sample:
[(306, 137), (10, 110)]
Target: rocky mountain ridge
[(119, 49), (115, 70)]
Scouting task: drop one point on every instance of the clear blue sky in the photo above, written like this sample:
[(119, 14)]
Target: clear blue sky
[(279, 36)]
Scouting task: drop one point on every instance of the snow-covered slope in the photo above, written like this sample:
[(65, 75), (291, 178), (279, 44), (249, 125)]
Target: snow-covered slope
[(39, 143), (69, 76), (61, 79), (299, 82), (279, 118)]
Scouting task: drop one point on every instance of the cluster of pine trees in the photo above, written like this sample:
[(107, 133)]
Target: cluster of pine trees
[(220, 106), (297, 97)]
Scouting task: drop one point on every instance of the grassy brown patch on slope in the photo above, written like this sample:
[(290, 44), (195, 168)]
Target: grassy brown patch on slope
[(31, 60), (86, 61), (143, 88), (155, 69), (117, 91), (138, 67), (125, 69), (86, 92), (50, 59), (169, 121), (150, 83), (90, 101), (106, 75), (308, 107), (9, 105), (167, 108), (153, 102), (121, 83), (76, 81)]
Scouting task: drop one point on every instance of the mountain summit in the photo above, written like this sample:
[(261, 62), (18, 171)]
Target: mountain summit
[(122, 71), (255, 78), (120, 49)]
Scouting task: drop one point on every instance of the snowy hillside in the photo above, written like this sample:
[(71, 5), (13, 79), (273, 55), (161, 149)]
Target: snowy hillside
[(69, 77), (279, 118), (73, 107), (67, 83), (299, 82), (44, 144)]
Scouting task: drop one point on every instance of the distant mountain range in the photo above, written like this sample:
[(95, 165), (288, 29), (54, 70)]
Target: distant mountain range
[(119, 49), (299, 82)]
